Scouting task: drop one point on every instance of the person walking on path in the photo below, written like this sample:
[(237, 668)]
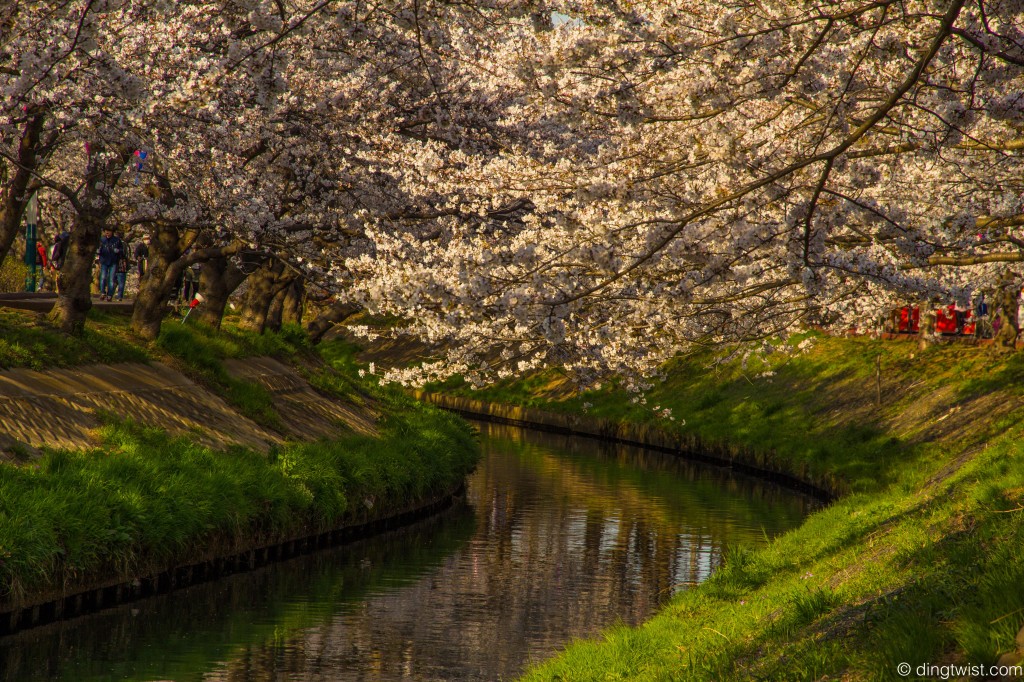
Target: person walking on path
[(111, 249), (121, 275), (58, 252), (141, 257)]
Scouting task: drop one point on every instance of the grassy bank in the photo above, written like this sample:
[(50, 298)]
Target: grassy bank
[(28, 340), (142, 499), (919, 562)]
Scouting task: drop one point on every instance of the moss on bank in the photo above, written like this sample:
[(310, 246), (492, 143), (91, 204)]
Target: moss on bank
[(918, 563)]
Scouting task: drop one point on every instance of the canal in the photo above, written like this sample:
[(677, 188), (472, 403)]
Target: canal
[(558, 538)]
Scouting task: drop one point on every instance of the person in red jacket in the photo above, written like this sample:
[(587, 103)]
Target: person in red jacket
[(41, 263)]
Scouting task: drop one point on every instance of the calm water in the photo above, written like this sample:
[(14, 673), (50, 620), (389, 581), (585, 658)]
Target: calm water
[(558, 538)]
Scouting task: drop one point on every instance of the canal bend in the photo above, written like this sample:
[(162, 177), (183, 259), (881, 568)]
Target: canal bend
[(558, 538)]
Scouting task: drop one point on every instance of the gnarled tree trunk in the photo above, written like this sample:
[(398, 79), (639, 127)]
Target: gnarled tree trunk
[(14, 192), (75, 279), (264, 285), (294, 302), (172, 248), (287, 305), (92, 210), (160, 282), (275, 313), (217, 281), (338, 312), (1007, 305), (927, 334), (156, 285)]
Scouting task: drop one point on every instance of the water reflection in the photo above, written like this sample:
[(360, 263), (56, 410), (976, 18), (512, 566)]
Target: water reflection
[(558, 538)]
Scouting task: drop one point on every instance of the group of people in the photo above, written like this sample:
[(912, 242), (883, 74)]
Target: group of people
[(112, 257), (113, 261), (976, 319)]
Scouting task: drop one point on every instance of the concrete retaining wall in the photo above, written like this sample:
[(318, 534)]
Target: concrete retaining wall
[(76, 600)]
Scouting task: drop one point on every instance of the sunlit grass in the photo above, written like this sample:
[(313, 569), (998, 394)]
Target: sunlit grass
[(27, 340), (202, 351), (144, 499), (918, 562)]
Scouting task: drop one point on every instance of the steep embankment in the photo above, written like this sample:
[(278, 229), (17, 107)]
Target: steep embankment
[(62, 408), (917, 563), (161, 481)]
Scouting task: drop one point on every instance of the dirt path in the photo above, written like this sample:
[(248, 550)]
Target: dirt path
[(42, 302), (59, 408), (307, 415)]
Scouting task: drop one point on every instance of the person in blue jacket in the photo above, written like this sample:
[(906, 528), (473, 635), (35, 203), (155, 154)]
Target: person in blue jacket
[(111, 251)]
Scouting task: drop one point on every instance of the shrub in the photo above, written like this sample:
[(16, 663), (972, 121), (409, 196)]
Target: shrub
[(12, 275)]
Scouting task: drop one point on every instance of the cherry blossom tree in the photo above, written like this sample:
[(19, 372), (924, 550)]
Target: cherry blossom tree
[(303, 121), (61, 71), (600, 193), (718, 172)]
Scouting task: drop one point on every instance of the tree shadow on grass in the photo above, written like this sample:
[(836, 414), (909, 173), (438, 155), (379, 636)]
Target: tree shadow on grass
[(1008, 375)]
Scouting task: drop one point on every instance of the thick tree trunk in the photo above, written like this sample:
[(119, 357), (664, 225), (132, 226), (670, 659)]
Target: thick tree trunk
[(264, 285), (217, 281), (927, 335), (75, 279), (338, 312), (172, 248), (92, 209), (155, 286), (275, 313), (149, 310), (14, 193), (294, 302), (1007, 307)]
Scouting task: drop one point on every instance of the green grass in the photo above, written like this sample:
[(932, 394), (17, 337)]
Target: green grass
[(27, 340), (204, 347), (919, 561), (797, 412), (144, 499), (13, 272), (201, 351), (271, 610), (871, 582)]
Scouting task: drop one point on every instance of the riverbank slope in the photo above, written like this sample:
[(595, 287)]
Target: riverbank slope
[(202, 449), (918, 562)]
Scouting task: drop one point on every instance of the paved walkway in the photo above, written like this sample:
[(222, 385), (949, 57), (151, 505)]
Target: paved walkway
[(42, 302), (58, 408)]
